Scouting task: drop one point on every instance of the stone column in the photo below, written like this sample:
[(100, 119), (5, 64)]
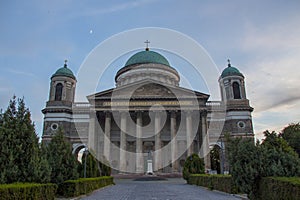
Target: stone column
[(158, 152), (139, 144), (123, 144), (173, 142), (205, 141), (92, 139), (189, 139), (107, 135)]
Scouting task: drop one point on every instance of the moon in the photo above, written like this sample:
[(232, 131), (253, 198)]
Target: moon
[(91, 31)]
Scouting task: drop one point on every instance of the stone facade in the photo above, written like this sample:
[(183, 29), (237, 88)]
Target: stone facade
[(148, 115)]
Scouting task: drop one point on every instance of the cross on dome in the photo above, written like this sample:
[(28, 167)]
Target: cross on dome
[(65, 65), (147, 42), (229, 65)]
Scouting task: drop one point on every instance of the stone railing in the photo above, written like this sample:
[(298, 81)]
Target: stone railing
[(81, 105)]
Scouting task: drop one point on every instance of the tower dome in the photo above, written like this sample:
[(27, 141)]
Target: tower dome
[(231, 71), (147, 65), (64, 71)]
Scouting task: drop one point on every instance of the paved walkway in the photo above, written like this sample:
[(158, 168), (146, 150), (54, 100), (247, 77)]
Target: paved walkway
[(171, 189)]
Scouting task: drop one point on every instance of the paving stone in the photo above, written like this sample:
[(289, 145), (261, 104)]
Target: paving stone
[(172, 189)]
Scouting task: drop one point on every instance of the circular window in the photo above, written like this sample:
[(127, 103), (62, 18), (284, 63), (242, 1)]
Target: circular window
[(54, 126), (241, 124)]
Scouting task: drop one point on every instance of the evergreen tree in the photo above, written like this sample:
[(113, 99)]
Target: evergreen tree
[(59, 154), (104, 166), (291, 134), (193, 165), (245, 164), (92, 168), (250, 162), (19, 161), (215, 159), (279, 158)]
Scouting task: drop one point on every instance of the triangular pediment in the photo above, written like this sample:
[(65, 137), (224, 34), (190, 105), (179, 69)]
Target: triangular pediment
[(148, 89)]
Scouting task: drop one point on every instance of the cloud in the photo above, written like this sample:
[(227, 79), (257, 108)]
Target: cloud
[(115, 8), (20, 72), (272, 75), (277, 36)]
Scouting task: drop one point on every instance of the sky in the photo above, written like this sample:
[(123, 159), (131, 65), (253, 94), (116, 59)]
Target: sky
[(262, 39)]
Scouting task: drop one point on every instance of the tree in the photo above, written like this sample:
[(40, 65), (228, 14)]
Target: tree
[(20, 160), (279, 158), (105, 169), (94, 168), (245, 164), (59, 155), (193, 165), (250, 162), (215, 159), (291, 134)]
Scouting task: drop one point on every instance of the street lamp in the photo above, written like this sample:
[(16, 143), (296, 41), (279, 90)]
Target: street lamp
[(222, 157), (85, 153)]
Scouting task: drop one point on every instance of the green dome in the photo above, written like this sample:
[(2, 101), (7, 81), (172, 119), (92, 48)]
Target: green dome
[(147, 57), (64, 71), (231, 71)]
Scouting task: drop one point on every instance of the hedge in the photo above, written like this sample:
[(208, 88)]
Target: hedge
[(279, 188), (284, 188), (23, 191), (72, 188), (214, 182)]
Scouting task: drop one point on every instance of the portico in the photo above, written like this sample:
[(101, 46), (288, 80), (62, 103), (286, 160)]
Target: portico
[(169, 128)]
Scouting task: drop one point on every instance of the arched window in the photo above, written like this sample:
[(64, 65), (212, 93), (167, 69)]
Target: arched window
[(236, 90), (58, 92)]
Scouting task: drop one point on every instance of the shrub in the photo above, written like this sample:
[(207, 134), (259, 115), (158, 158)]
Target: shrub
[(82, 186), (32, 191), (193, 165), (214, 182), (279, 188), (105, 167), (94, 168)]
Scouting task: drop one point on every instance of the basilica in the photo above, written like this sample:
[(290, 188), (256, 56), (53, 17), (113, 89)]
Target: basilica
[(148, 115)]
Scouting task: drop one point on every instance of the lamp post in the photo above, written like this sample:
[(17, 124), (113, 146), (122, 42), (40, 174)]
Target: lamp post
[(222, 157), (85, 153)]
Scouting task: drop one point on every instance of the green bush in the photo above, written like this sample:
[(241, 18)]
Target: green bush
[(284, 188), (72, 188), (94, 168), (214, 182), (105, 167), (32, 191), (193, 165), (279, 188)]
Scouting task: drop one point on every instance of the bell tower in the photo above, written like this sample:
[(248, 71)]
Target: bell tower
[(58, 111), (238, 120)]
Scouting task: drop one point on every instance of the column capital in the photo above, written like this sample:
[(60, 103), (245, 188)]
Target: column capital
[(173, 114), (108, 113), (203, 113), (139, 114)]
